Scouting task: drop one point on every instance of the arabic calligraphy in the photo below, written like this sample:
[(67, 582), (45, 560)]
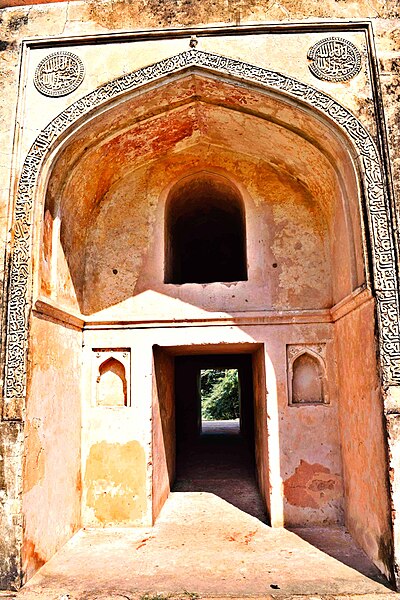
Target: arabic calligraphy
[(334, 59), (59, 74)]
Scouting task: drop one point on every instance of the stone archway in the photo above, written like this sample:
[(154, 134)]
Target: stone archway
[(351, 133), (381, 238)]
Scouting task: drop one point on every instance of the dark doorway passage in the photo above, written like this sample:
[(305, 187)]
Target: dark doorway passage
[(216, 456)]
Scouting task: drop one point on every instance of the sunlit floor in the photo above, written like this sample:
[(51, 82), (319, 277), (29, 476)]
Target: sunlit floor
[(228, 426), (203, 545), (210, 539)]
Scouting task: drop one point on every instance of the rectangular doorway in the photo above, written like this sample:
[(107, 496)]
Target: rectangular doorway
[(215, 429)]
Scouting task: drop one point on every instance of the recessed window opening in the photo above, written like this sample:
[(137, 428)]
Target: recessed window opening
[(220, 401), (205, 239)]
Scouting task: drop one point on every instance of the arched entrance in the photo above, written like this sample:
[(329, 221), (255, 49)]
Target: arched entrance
[(290, 151)]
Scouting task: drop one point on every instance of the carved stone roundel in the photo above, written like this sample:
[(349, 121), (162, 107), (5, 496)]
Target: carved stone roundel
[(334, 59), (59, 74)]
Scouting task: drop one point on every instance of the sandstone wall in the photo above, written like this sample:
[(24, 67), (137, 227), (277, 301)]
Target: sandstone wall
[(362, 435)]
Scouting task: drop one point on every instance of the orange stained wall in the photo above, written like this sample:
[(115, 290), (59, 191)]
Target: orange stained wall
[(163, 428), (362, 434), (52, 474), (260, 431)]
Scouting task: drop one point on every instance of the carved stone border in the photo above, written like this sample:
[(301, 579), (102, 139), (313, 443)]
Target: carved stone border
[(377, 205)]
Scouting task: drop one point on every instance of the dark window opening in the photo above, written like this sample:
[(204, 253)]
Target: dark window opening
[(205, 238)]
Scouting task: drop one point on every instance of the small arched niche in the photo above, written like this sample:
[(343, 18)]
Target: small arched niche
[(205, 232), (307, 379), (111, 384)]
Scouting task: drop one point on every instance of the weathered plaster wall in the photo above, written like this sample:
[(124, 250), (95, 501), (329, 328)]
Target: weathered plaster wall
[(173, 12), (388, 46), (116, 440), (95, 16), (51, 474), (163, 429), (11, 449), (11, 433), (286, 239), (299, 464), (362, 435), (303, 250), (310, 457)]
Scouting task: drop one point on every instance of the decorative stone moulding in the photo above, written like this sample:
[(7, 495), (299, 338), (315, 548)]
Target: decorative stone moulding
[(380, 227), (306, 374), (111, 369), (59, 74), (334, 59)]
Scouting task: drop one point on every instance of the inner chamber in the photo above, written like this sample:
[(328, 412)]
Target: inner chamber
[(225, 223)]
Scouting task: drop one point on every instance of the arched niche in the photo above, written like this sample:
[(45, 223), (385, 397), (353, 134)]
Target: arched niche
[(111, 388), (205, 231), (307, 379)]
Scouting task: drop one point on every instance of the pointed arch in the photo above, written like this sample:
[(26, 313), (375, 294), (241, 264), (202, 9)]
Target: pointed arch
[(52, 136), (111, 383), (307, 378)]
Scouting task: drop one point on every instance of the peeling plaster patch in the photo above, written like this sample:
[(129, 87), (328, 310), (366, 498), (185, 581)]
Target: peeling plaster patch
[(292, 283), (312, 486), (116, 482), (16, 22)]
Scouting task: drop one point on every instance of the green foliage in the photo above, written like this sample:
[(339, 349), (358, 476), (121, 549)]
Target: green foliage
[(219, 389)]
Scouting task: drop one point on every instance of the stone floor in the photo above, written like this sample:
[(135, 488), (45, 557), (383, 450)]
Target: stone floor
[(228, 426), (221, 462), (203, 545), (210, 540)]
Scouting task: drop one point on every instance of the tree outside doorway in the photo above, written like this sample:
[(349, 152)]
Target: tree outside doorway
[(220, 394)]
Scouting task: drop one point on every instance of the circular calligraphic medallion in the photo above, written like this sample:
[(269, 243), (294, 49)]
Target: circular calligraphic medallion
[(334, 59), (59, 74)]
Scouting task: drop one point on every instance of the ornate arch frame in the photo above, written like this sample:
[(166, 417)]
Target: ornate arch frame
[(381, 239)]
